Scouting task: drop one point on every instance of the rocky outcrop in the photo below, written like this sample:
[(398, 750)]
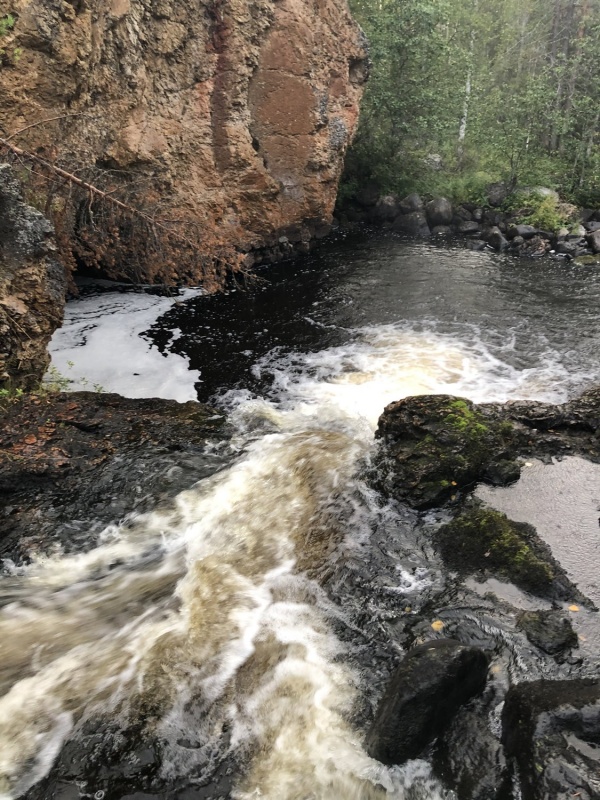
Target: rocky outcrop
[(32, 288), (433, 447), (233, 117)]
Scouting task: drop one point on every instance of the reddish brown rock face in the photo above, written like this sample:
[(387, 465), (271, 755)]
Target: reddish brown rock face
[(235, 113)]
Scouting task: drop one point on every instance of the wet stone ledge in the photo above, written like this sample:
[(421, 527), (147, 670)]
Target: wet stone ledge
[(72, 463)]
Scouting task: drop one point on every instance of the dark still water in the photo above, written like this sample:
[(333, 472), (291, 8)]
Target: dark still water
[(533, 323)]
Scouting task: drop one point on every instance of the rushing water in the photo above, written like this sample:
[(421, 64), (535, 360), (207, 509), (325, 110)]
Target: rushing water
[(209, 622)]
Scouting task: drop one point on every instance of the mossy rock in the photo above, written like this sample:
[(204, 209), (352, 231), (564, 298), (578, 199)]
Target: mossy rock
[(588, 261), (433, 446), (481, 540)]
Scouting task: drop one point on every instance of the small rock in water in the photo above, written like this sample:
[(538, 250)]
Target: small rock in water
[(551, 631)]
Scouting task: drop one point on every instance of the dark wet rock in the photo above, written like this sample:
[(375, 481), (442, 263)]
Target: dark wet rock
[(424, 694), (493, 217), (469, 757), (526, 231), (592, 226), (433, 446), (412, 202), (413, 224), (107, 761), (552, 730), (551, 631), (439, 211), (496, 239), (74, 463), (485, 541), (32, 288)]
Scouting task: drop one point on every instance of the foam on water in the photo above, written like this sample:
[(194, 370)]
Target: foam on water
[(101, 345), (205, 613)]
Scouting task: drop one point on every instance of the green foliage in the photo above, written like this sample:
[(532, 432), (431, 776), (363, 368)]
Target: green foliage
[(7, 23), (505, 88), (540, 210)]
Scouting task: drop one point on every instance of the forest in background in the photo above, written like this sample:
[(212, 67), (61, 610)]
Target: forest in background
[(464, 93)]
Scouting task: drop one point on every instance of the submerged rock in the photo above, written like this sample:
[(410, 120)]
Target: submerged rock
[(32, 288), (552, 730), (434, 446), (429, 686)]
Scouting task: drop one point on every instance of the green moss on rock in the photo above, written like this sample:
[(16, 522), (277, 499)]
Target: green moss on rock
[(485, 540), (433, 446)]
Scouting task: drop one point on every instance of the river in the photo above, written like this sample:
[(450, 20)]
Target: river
[(245, 625)]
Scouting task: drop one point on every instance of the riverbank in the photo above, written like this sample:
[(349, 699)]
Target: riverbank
[(530, 224)]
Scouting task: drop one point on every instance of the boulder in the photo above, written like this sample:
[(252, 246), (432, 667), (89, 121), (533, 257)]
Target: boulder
[(461, 214), (412, 202), (552, 730), (493, 218), (496, 194), (439, 211), (551, 631), (430, 685), (477, 214), (386, 209), (413, 224), (568, 248), (593, 239), (468, 228), (432, 446), (496, 239), (32, 288), (525, 231), (592, 226)]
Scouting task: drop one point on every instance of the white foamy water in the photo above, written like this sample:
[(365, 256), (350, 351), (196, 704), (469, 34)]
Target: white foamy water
[(203, 618), (100, 346)]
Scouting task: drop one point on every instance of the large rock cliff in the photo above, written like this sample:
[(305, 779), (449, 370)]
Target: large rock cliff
[(32, 288), (234, 114)]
